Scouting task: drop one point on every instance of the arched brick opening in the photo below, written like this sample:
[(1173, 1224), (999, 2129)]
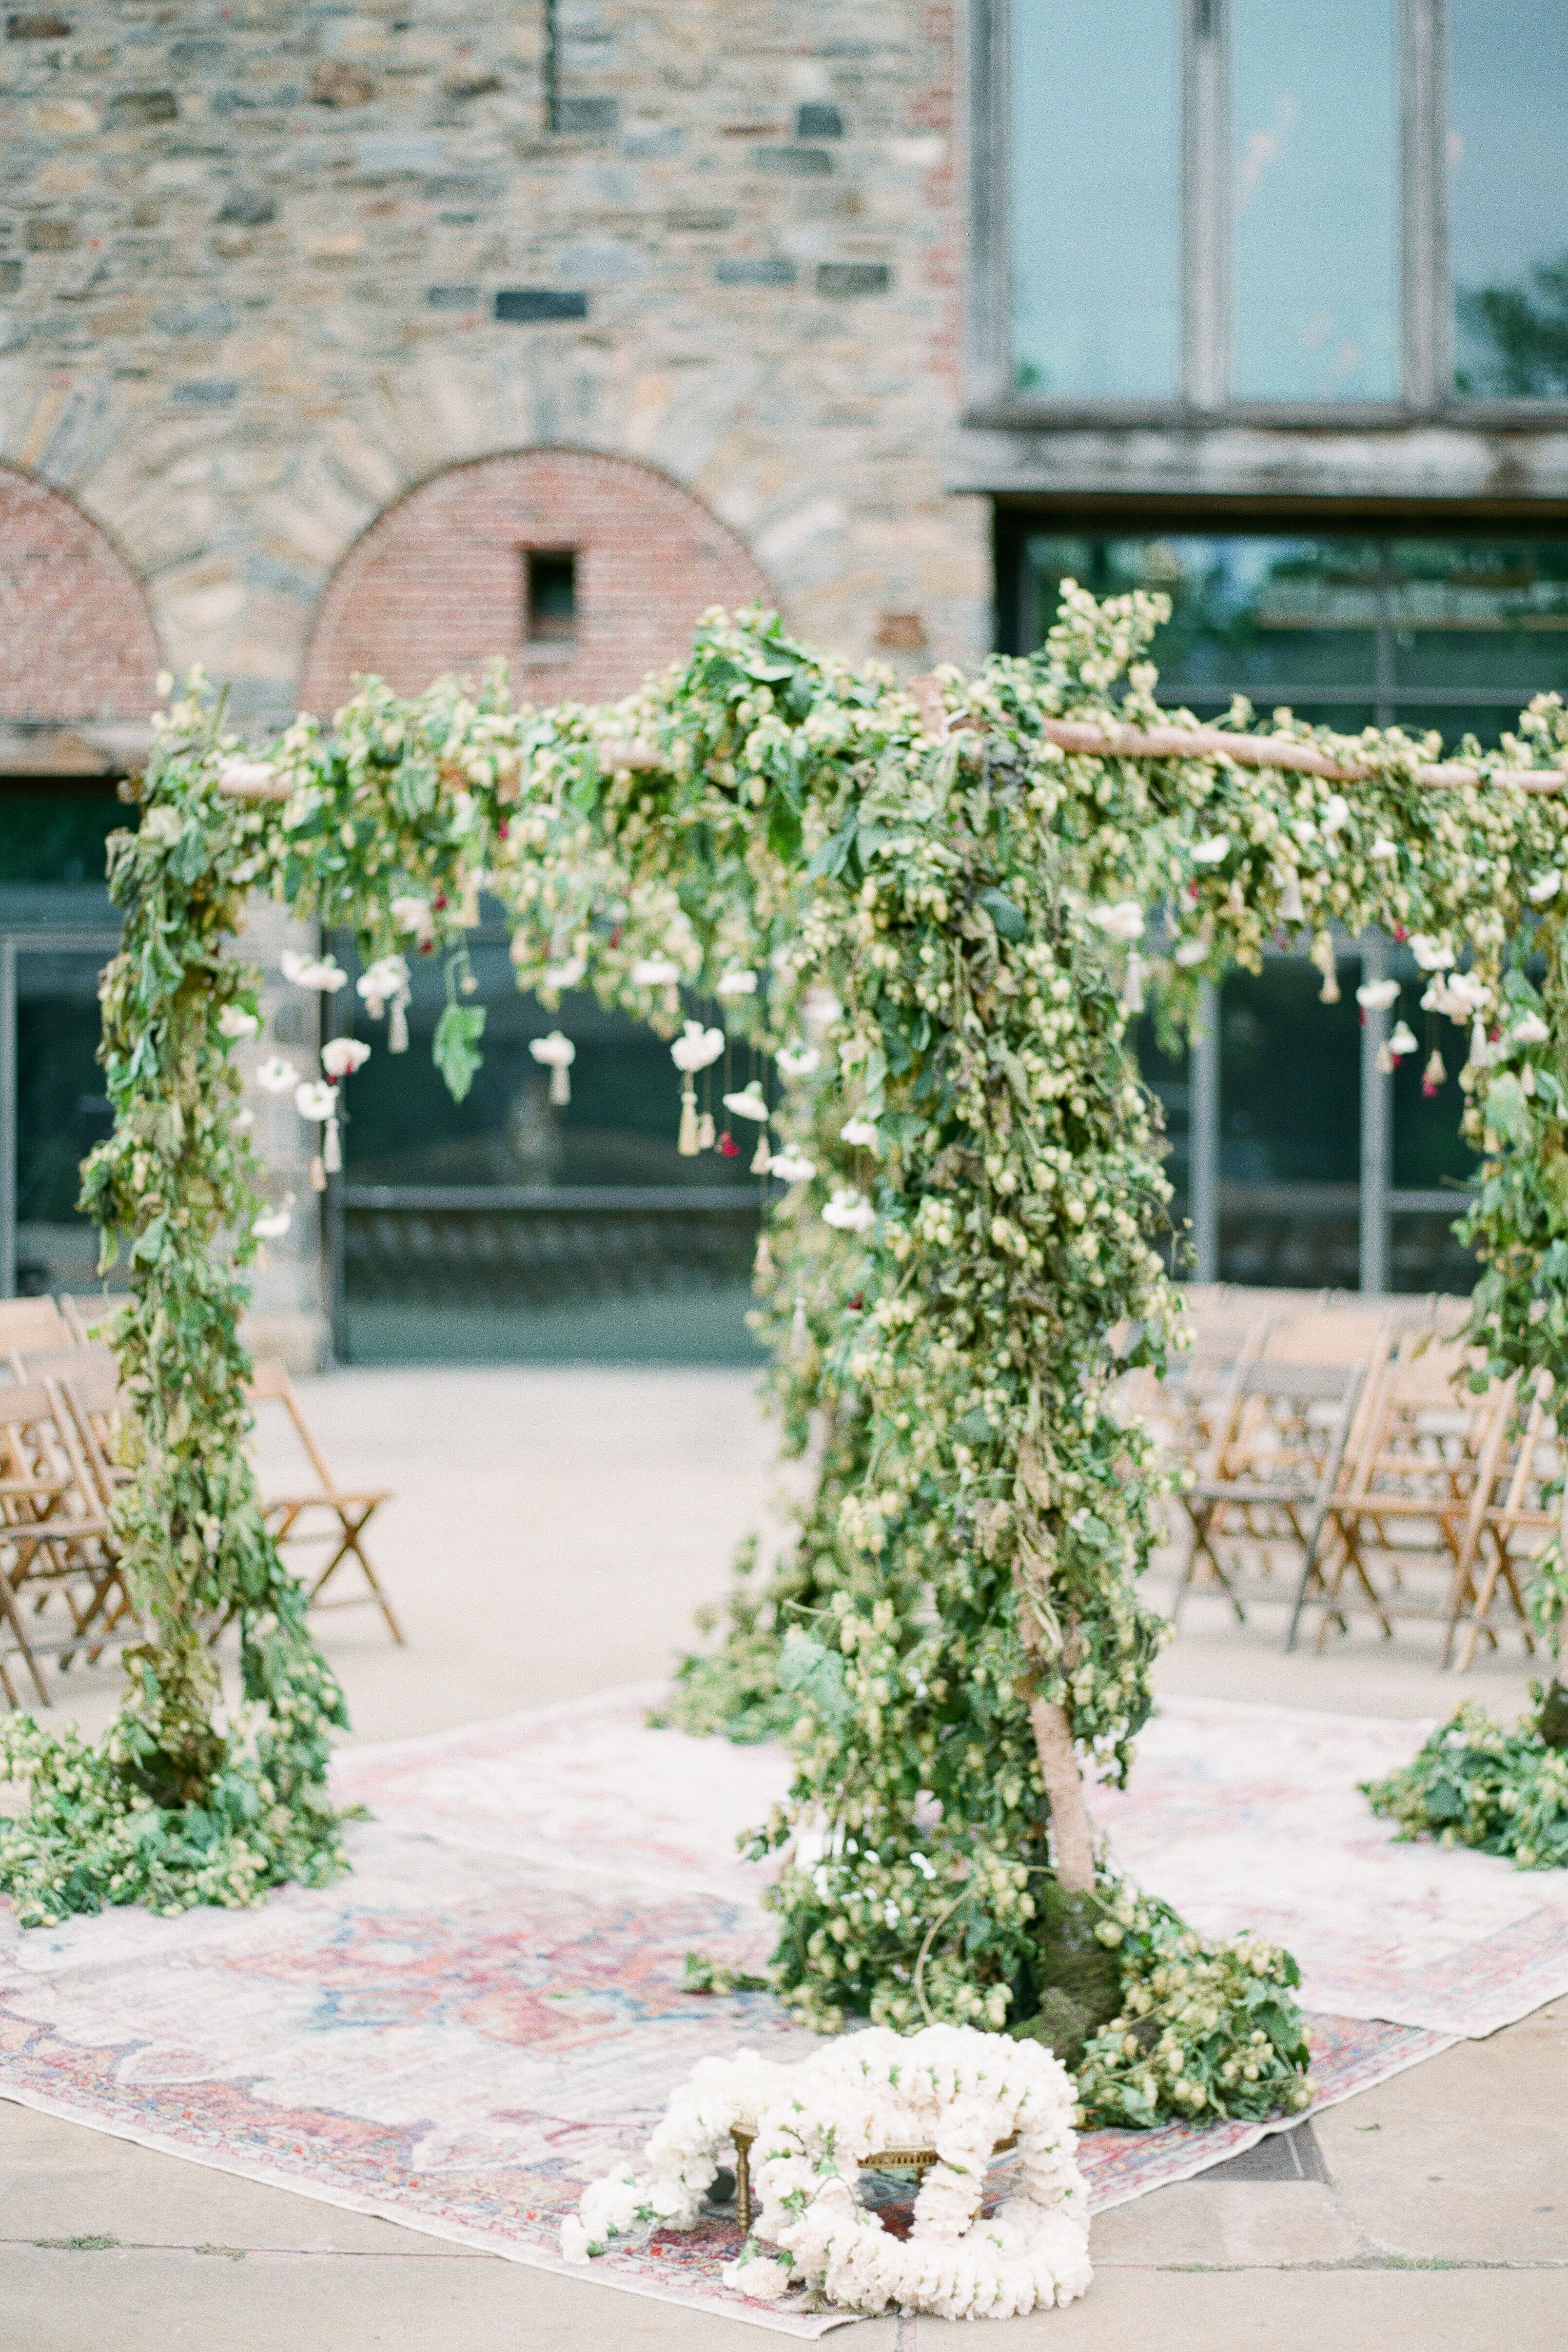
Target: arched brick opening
[(76, 637), (441, 580)]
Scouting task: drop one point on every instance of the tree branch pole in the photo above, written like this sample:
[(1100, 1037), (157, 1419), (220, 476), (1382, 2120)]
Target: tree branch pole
[(1072, 1835)]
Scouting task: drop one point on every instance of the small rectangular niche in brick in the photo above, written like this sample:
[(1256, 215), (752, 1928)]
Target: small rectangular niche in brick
[(36, 25), (550, 590), (50, 236), (841, 278), (817, 120), (792, 162), (531, 305)]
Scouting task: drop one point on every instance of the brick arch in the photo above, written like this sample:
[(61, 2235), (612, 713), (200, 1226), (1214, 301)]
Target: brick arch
[(76, 640), (436, 583)]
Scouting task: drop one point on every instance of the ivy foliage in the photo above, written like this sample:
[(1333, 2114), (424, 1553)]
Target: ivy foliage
[(941, 922)]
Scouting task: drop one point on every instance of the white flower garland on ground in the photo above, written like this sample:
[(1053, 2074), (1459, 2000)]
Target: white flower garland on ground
[(950, 2087)]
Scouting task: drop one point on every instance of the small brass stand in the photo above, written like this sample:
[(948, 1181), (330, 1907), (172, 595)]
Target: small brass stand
[(917, 2160)]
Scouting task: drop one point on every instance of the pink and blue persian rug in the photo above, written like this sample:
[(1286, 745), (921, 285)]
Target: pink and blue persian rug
[(489, 2011)]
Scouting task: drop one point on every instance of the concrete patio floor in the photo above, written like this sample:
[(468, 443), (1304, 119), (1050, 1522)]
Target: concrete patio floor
[(551, 1533)]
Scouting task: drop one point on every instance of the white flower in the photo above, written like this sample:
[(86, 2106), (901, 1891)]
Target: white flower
[(387, 977), (1383, 852), (234, 1021), (270, 1227), (819, 1008), (798, 1061), (1190, 951), (411, 914), (654, 971), (323, 972), (314, 1099), (697, 1046), (1402, 1041), (1431, 954), (850, 1212), (556, 1052), (1544, 887), (1531, 1030), (749, 1103), (341, 1056), (736, 983), (575, 2243), (792, 1167), (861, 1134), (565, 974), (1211, 852), (1538, 1310), (1377, 996), (1124, 920), (276, 1076), (1336, 815)]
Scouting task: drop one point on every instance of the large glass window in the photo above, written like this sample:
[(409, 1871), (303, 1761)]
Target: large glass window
[(1261, 203), (1314, 199), (1455, 634), (1321, 1169), (1508, 197), (1095, 143)]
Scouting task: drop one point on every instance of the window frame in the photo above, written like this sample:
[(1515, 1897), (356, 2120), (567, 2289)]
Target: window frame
[(1424, 330)]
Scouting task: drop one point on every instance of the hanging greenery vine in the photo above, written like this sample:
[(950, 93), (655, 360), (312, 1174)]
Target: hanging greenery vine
[(935, 911)]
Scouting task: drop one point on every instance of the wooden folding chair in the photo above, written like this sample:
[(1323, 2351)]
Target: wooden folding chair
[(1270, 1476), (346, 1514), (90, 1371), (55, 1538), (1517, 1494), (1405, 1500)]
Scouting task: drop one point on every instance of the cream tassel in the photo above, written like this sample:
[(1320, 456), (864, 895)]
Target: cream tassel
[(1133, 985), (397, 1028), (799, 1332), (560, 1085), (762, 1158), (707, 1133), (332, 1155), (1385, 1060), (318, 1174), (689, 1144), (1291, 909), (762, 1265)]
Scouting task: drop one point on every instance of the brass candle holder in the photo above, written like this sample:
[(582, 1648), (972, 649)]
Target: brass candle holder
[(917, 2160)]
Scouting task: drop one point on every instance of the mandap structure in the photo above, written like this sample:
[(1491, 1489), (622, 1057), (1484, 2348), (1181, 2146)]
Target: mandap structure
[(936, 906)]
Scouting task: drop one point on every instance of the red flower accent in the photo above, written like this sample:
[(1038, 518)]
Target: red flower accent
[(728, 1145), (1400, 933), (1428, 1089), (441, 898)]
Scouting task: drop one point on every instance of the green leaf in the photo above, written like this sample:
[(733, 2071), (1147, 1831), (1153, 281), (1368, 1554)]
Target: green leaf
[(816, 1675), (1008, 919), (974, 1428), (1507, 1109), (455, 1050)]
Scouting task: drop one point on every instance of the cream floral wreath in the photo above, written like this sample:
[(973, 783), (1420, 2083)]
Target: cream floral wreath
[(950, 2087)]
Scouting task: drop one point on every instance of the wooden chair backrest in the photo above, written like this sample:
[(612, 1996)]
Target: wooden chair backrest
[(38, 1441), (32, 1323), (270, 1384), (1427, 1432)]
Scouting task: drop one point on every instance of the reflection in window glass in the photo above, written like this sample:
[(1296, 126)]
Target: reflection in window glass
[(1478, 616), (1290, 1140), (1277, 619), (621, 1250), (1508, 197), (1315, 158), (1094, 163)]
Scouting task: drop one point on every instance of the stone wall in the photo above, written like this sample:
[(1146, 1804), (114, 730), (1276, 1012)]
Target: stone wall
[(267, 267)]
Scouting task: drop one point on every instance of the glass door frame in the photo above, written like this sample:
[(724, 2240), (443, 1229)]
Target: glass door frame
[(29, 940)]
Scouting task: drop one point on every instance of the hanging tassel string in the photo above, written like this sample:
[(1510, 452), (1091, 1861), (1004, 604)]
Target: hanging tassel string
[(799, 1332)]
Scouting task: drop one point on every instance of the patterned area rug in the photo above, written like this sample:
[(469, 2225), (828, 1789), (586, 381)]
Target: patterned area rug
[(488, 2011)]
